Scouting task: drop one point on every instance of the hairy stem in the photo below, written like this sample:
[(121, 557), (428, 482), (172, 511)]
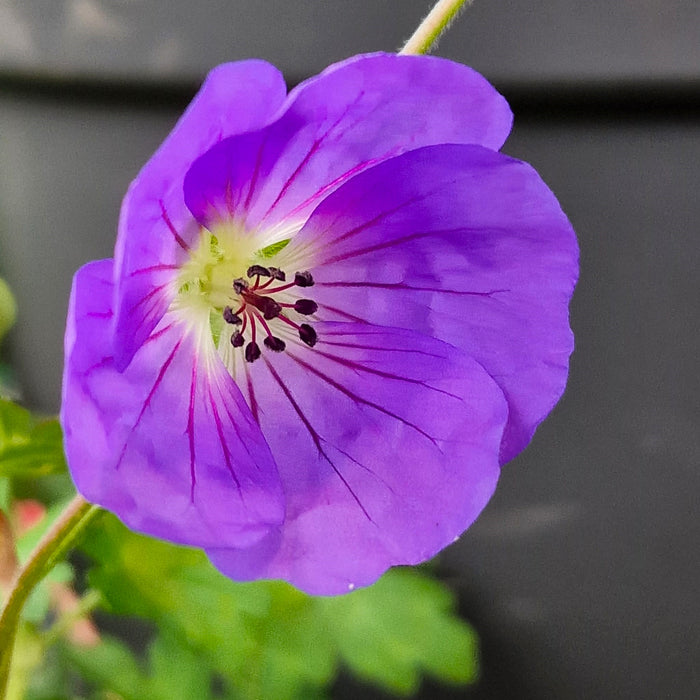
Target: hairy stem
[(432, 27), (51, 548)]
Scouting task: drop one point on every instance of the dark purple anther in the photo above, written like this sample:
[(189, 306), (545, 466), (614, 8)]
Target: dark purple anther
[(230, 317), (303, 279), (237, 339), (277, 274), (239, 284), (276, 344), (252, 352), (258, 270), (307, 334), (305, 306)]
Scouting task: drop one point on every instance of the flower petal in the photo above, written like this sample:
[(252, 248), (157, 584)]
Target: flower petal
[(387, 444), (355, 114), (466, 245), (169, 445), (155, 228)]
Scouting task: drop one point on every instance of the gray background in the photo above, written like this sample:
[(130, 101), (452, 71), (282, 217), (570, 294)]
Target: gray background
[(582, 573)]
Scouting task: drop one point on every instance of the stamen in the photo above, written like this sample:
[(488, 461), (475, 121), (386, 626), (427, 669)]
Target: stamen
[(289, 322), (274, 290), (258, 270), (303, 279), (231, 317), (305, 307), (258, 306), (239, 284), (277, 274), (276, 344), (307, 334), (256, 315), (237, 339), (252, 351)]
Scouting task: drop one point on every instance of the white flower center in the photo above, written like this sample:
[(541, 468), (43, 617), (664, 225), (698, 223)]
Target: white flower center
[(230, 283)]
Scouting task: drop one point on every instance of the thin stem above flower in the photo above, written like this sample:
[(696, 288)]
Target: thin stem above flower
[(433, 26)]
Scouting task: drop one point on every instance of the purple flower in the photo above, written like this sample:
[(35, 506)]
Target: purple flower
[(331, 316)]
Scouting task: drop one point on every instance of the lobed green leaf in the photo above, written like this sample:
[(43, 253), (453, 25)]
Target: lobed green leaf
[(266, 639)]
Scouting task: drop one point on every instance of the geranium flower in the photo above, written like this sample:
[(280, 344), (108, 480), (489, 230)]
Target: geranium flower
[(330, 318)]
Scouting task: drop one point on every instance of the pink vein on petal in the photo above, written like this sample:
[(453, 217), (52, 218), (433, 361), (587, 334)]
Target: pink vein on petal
[(222, 440), (228, 198), (149, 311), (147, 401), (154, 292), (359, 400), (104, 362), (358, 346), (389, 244), (364, 165), (171, 227), (367, 469), (345, 314), (386, 375), (251, 395), (158, 334), (253, 181), (311, 152), (234, 423), (329, 242), (151, 268), (402, 286), (316, 438), (190, 426)]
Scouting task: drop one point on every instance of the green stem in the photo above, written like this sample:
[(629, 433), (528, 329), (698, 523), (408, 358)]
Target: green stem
[(430, 29), (51, 548)]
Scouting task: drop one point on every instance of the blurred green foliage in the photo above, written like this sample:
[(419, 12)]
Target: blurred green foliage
[(268, 640), (29, 448)]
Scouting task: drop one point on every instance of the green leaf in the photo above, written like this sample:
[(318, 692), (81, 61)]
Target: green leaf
[(266, 639), (8, 308), (52, 679), (29, 447), (400, 628), (254, 636), (170, 670), (15, 425)]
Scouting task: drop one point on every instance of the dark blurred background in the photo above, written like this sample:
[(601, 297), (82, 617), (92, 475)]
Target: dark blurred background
[(582, 574)]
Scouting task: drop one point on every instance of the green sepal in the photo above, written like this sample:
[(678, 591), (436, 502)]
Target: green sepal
[(271, 250)]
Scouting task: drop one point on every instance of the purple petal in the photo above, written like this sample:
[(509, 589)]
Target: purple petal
[(355, 114), (169, 445), (155, 228), (387, 445), (466, 245)]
